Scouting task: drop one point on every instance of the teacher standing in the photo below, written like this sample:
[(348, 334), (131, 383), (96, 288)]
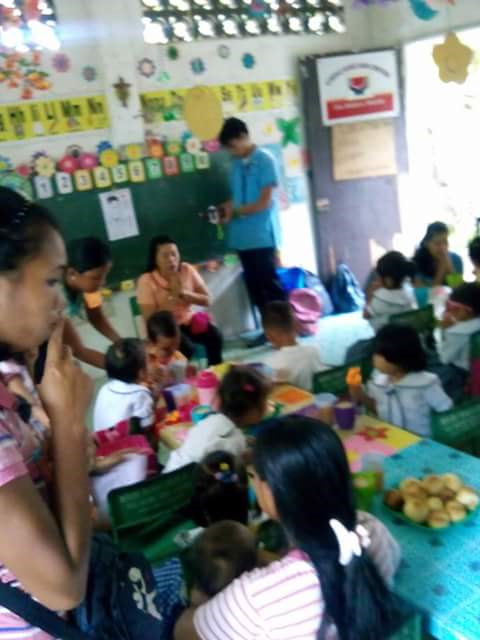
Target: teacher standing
[(172, 285), (252, 214)]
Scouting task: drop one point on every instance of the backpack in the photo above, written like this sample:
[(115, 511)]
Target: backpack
[(347, 295), (307, 308)]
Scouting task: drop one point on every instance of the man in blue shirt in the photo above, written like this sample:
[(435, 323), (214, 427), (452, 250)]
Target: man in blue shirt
[(252, 213)]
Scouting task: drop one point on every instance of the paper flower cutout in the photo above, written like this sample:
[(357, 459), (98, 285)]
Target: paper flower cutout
[(248, 60), (193, 145), (174, 148), (24, 170), (289, 131), (173, 53), (68, 164), (370, 433), (211, 146), (134, 152), (155, 148), (452, 59), (103, 146), (61, 62), (146, 67), (5, 164), (198, 66), (223, 51), (87, 161), (89, 73), (163, 76), (109, 158), (423, 10), (44, 166)]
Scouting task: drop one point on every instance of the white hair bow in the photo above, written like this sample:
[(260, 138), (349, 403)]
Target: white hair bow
[(351, 543)]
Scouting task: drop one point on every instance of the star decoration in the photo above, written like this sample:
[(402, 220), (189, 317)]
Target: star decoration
[(452, 59), (371, 433), (289, 131)]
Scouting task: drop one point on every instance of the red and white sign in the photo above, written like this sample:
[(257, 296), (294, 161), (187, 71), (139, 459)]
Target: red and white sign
[(361, 86)]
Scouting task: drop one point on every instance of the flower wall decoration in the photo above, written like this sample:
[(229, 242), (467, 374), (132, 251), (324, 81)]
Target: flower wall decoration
[(68, 164), (223, 51), (146, 67), (248, 60), (43, 165), (89, 73), (198, 66), (173, 148), (453, 59), (193, 145), (23, 72), (61, 62)]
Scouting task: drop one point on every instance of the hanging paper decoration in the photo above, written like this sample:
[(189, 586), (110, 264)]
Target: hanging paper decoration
[(170, 166), (289, 131), (101, 176), (122, 91), (212, 146), (146, 67), (23, 71), (155, 148), (223, 51), (109, 158), (452, 59), (120, 174), (198, 66), (136, 170), (61, 62), (154, 168), (83, 180), (43, 165), (43, 187), (5, 164), (202, 111), (68, 164), (248, 60), (173, 148), (422, 10), (89, 73), (64, 183), (87, 160), (133, 151)]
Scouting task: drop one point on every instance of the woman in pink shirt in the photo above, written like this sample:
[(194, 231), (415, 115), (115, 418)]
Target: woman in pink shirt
[(332, 585), (44, 500), (172, 285)]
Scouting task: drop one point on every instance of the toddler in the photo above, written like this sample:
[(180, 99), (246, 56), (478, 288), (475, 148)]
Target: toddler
[(292, 362), (125, 395), (163, 348), (222, 553), (221, 490), (400, 391), (243, 403), (393, 294)]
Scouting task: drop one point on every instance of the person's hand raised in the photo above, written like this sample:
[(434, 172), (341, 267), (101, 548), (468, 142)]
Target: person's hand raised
[(65, 390)]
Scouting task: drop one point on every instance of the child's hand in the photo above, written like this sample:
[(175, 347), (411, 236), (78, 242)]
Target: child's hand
[(356, 393), (447, 321), (366, 313)]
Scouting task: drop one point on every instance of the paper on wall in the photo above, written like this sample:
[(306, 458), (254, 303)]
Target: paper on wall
[(119, 214)]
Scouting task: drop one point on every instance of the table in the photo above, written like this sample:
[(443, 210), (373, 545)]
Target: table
[(440, 571)]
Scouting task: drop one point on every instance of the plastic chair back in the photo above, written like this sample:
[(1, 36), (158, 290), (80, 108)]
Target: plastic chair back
[(459, 427), (138, 320), (334, 380), (147, 516), (423, 320)]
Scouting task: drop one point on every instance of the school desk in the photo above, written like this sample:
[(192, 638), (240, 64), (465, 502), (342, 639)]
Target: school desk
[(440, 570)]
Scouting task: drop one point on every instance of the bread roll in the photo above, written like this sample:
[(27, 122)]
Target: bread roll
[(438, 519), (409, 482), (447, 494), (433, 485), (452, 481), (415, 491), (434, 503), (468, 498), (394, 500), (416, 510), (456, 511)]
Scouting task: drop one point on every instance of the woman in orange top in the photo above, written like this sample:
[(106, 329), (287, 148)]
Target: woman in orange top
[(172, 285)]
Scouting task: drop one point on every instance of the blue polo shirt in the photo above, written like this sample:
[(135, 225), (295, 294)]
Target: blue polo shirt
[(247, 179)]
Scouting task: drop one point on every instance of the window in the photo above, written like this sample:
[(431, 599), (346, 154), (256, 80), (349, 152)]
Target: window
[(28, 24), (167, 21)]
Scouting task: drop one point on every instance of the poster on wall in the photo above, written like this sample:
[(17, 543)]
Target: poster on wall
[(119, 214), (356, 87)]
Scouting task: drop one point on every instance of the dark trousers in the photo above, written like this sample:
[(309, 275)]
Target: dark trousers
[(260, 274), (211, 339)]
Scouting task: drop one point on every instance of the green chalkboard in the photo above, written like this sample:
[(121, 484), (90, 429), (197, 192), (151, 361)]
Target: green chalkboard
[(166, 205)]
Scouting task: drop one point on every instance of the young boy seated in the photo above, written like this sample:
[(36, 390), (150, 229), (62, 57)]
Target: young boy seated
[(163, 348), (220, 555), (292, 362), (125, 395)]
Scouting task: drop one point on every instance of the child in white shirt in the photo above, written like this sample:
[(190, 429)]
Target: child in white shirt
[(400, 391), (292, 362), (394, 293), (243, 403), (125, 395)]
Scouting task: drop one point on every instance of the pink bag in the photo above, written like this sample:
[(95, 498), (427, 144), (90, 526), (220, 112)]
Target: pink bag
[(307, 308), (199, 323)]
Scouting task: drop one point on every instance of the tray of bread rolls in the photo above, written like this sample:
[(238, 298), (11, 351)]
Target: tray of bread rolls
[(432, 502)]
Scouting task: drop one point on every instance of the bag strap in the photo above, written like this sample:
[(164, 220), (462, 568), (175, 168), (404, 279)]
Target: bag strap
[(36, 614)]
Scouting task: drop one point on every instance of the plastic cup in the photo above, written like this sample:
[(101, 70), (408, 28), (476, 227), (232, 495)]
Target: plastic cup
[(364, 487), (345, 415), (207, 385), (373, 462), (325, 403)]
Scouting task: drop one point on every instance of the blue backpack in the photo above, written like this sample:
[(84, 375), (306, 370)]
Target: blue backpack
[(346, 293)]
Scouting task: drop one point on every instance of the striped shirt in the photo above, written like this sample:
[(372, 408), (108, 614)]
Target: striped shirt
[(21, 454), (284, 600)]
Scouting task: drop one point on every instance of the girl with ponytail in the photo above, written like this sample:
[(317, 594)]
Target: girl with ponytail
[(333, 584)]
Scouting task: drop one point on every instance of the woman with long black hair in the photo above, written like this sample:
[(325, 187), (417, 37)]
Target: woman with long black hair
[(434, 262), (332, 585)]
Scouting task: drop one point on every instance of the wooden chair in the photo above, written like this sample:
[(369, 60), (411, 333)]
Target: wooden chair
[(138, 320), (147, 516)]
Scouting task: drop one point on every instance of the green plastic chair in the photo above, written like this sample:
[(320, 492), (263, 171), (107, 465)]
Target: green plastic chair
[(138, 320), (411, 629), (459, 427), (147, 516), (334, 380)]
